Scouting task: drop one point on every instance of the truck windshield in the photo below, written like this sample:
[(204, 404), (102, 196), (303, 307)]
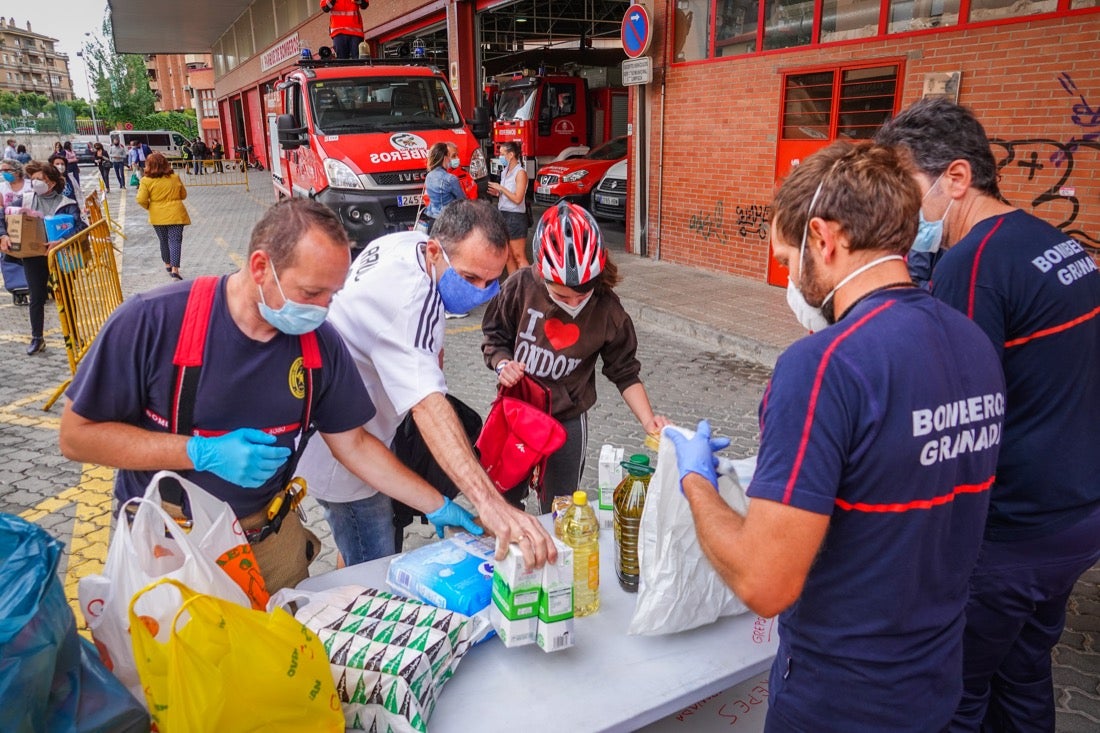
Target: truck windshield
[(377, 104), (517, 103)]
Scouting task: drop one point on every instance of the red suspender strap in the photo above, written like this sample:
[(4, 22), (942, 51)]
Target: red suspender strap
[(311, 361), (189, 353)]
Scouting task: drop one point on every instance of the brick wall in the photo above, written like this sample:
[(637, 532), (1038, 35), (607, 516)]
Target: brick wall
[(722, 118)]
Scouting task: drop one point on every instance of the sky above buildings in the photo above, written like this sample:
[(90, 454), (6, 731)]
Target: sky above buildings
[(65, 20)]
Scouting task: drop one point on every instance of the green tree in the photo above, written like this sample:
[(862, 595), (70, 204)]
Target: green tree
[(32, 102), (9, 104), (120, 80)]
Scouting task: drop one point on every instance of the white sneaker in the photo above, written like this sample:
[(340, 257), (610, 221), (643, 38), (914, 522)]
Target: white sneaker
[(449, 316)]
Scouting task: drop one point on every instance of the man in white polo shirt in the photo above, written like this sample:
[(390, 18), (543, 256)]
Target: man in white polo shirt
[(390, 314)]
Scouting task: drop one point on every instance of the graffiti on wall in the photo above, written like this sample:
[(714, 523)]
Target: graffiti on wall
[(1050, 170), (751, 221), (709, 225), (754, 220), (1055, 193), (1084, 116)]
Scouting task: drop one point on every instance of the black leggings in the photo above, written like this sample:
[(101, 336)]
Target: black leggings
[(104, 173), (171, 242), (37, 270)]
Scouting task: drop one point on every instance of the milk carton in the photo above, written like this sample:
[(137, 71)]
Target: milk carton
[(555, 613), (610, 474), (514, 610)]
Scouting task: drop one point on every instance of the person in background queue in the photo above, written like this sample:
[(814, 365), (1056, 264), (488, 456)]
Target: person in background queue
[(878, 447), (117, 154), (47, 183), (440, 185), (103, 163), (1035, 292), (345, 26), (552, 321), (512, 201), (251, 405), (161, 193), (389, 314)]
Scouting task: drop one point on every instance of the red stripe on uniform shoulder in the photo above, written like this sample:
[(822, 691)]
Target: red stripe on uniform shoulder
[(917, 503), (974, 268), (1054, 329), (816, 391)]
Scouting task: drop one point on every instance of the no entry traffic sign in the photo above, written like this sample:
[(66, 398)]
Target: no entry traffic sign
[(636, 31)]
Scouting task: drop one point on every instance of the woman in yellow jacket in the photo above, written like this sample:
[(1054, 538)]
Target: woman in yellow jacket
[(162, 193)]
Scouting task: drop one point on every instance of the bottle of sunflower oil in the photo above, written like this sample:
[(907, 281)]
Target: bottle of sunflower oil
[(629, 499), (581, 531)]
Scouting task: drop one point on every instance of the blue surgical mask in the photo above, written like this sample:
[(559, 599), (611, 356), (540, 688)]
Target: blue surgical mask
[(8, 176), (461, 296), (503, 161), (930, 233), (454, 163), (293, 318)]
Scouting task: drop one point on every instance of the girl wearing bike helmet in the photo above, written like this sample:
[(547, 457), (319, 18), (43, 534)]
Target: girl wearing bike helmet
[(551, 321)]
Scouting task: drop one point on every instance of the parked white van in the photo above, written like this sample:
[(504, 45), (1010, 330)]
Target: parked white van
[(166, 142)]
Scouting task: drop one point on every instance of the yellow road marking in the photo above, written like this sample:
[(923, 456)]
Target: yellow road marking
[(91, 531), (462, 329), (11, 414), (233, 256)]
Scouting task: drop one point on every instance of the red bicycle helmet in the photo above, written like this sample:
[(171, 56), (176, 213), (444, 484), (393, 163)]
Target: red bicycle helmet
[(571, 251)]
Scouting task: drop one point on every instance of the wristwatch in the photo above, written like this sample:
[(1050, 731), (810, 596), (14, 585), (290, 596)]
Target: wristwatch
[(500, 365)]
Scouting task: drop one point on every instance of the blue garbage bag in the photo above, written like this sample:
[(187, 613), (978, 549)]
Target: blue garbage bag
[(51, 681)]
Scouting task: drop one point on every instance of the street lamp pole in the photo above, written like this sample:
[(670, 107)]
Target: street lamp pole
[(87, 80)]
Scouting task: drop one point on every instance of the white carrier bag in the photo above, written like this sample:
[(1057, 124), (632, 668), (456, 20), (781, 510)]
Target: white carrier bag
[(678, 588)]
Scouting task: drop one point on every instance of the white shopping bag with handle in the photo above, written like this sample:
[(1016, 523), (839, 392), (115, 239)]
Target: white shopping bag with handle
[(151, 547), (678, 588)]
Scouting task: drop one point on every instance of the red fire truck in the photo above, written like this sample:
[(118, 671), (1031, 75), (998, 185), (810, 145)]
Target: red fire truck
[(355, 136), (556, 117)]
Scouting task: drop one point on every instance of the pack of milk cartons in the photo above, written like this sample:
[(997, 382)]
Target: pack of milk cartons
[(610, 474), (536, 606)]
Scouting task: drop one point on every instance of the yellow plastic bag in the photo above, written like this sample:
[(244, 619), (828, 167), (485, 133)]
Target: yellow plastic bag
[(229, 668)]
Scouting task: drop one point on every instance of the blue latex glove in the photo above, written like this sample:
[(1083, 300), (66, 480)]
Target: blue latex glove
[(696, 454), (246, 457), (452, 515)]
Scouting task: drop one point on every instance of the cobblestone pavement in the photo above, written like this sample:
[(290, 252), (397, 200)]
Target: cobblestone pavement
[(687, 374)]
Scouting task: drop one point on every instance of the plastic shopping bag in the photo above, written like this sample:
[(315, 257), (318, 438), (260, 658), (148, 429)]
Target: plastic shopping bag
[(134, 179), (390, 655), (151, 547), (678, 587), (224, 667), (50, 680)]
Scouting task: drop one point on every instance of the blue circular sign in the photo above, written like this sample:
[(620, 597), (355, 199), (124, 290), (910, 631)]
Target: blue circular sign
[(636, 31)]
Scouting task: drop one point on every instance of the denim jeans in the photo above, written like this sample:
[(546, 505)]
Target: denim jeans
[(362, 529)]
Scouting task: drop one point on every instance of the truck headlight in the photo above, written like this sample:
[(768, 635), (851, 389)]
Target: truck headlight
[(340, 175), (477, 168), (574, 176)]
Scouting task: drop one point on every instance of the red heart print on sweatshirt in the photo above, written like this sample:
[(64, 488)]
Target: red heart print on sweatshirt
[(561, 335)]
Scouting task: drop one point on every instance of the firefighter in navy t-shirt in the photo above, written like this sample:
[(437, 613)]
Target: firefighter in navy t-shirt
[(879, 437), (249, 404), (1035, 292)]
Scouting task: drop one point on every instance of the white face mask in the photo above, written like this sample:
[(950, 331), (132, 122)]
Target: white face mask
[(40, 187), (572, 310), (811, 318)]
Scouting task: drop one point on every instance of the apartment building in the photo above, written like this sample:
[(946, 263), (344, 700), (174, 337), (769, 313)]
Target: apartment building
[(30, 62)]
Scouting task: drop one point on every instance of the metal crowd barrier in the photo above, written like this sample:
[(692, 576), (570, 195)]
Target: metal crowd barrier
[(97, 211), (220, 172), (85, 282)]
